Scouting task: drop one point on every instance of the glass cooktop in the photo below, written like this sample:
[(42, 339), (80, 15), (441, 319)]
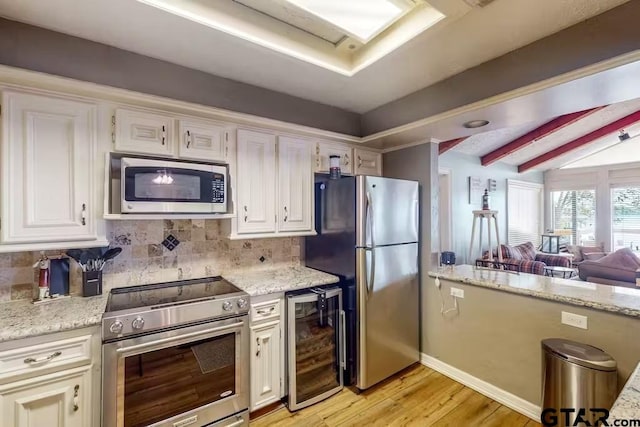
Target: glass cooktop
[(169, 293)]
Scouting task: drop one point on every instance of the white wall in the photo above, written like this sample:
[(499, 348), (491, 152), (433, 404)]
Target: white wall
[(600, 178), (462, 167)]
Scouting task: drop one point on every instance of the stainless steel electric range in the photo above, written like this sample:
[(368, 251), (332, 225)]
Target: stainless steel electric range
[(176, 354)]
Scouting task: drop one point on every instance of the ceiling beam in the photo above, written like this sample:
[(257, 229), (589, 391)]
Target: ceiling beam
[(583, 140), (536, 134), (443, 147)]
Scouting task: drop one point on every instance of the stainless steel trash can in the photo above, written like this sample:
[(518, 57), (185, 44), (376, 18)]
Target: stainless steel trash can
[(577, 381)]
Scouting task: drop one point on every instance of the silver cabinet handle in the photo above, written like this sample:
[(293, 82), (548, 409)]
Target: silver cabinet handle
[(164, 134), (245, 213), (265, 312), (84, 214), (359, 161), (286, 214), (76, 390), (346, 159), (188, 138), (52, 356), (258, 346), (343, 339)]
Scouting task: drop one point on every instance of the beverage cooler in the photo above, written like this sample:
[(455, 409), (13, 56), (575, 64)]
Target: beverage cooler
[(316, 352)]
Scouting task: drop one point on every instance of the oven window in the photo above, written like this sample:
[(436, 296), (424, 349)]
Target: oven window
[(150, 184), (167, 382)]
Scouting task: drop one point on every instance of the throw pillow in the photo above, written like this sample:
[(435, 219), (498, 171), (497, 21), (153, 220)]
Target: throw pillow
[(510, 252), (577, 253), (527, 251), (584, 250)]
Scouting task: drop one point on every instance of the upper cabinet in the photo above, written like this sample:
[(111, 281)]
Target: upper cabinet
[(295, 184), (202, 140), (48, 156), (256, 182), (326, 149), (367, 162), (143, 132)]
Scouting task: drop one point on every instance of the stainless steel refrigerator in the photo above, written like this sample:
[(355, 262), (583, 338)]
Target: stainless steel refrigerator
[(368, 230)]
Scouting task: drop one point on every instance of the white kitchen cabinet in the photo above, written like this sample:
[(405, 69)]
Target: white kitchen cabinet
[(256, 182), (144, 132), (326, 149), (202, 140), (62, 399), (295, 185), (48, 158), (265, 364), (367, 162)]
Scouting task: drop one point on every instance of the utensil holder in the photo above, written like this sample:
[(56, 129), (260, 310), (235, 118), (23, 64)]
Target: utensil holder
[(91, 283)]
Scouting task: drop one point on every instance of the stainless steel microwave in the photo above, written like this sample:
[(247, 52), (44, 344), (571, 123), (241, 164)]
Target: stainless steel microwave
[(164, 186)]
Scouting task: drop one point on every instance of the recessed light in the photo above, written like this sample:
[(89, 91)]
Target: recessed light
[(472, 124)]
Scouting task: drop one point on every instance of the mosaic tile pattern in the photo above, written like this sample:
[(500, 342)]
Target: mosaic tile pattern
[(203, 251)]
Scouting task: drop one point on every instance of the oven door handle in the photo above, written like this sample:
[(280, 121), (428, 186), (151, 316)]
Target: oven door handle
[(179, 339)]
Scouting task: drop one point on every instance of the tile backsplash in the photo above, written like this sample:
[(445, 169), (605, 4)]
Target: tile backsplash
[(202, 251)]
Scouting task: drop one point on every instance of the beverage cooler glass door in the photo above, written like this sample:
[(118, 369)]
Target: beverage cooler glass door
[(316, 350)]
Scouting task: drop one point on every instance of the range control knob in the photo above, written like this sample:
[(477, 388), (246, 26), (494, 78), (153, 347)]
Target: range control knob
[(242, 303), (116, 327), (137, 323), (227, 306)]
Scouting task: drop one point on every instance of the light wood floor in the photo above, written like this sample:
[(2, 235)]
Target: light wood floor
[(418, 396)]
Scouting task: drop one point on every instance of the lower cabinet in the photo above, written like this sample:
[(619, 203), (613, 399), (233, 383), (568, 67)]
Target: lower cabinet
[(62, 399), (265, 364)]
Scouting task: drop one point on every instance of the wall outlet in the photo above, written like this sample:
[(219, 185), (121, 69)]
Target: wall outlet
[(573, 319), (456, 292)]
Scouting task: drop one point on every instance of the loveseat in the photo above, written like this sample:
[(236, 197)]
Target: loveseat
[(526, 259), (616, 269)]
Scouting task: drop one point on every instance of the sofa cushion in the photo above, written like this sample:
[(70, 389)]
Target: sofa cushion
[(527, 250), (594, 256), (510, 252), (580, 252)]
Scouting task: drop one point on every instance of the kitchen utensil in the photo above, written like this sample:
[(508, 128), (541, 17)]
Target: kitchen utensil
[(111, 253)]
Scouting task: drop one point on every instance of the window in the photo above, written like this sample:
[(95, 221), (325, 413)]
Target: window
[(574, 216), (625, 218), (524, 212)]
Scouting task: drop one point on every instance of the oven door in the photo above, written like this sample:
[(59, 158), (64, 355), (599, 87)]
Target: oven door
[(156, 186), (187, 376)]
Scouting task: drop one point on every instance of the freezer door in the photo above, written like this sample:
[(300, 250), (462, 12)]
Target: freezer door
[(388, 311), (387, 211)]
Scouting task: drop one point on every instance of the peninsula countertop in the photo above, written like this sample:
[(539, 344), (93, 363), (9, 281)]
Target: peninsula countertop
[(616, 299), (627, 405), (22, 319)]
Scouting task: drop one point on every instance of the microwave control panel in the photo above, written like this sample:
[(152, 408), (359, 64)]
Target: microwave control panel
[(217, 188)]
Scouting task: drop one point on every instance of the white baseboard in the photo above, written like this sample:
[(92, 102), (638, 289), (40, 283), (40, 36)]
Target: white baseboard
[(507, 399)]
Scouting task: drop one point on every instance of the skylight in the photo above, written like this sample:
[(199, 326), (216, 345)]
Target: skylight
[(362, 19)]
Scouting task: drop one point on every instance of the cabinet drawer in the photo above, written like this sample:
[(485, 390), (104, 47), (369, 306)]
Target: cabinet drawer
[(36, 359), (268, 310)]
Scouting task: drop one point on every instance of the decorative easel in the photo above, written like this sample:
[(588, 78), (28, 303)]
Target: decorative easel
[(480, 216)]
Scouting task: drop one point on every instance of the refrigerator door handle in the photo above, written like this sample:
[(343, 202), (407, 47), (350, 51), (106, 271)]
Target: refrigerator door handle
[(370, 224), (371, 274), (343, 340)]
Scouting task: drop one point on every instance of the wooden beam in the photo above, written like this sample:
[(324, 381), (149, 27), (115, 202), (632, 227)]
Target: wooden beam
[(538, 133), (443, 147), (583, 140)]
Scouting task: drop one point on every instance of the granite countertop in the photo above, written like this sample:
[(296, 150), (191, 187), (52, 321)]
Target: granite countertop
[(615, 299), (269, 281), (22, 319), (627, 405)]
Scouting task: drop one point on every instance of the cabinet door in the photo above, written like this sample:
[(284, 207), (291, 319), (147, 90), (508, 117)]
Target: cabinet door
[(265, 365), (295, 184), (200, 140), (368, 162), (256, 182), (143, 132), (48, 154), (57, 400), (324, 150)]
